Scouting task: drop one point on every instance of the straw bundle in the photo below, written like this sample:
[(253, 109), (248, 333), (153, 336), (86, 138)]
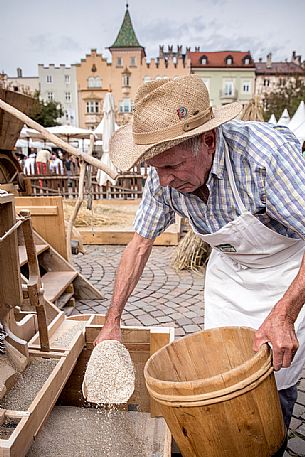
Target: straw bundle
[(253, 111), (191, 253)]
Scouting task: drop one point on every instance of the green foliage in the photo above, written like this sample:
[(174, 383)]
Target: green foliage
[(46, 113), (288, 97)]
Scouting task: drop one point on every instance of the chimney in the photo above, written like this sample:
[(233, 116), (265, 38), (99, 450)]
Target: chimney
[(269, 61), (19, 73), (197, 48), (293, 58), (260, 60)]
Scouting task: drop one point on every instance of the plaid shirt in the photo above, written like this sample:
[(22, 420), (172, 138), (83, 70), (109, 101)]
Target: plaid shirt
[(269, 172)]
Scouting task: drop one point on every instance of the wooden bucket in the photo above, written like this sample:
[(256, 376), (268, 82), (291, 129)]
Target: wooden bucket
[(217, 395)]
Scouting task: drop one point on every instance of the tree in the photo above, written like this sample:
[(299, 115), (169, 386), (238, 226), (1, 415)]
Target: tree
[(288, 97), (46, 113)]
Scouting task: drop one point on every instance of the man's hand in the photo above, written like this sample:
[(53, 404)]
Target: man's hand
[(278, 330), (109, 332)]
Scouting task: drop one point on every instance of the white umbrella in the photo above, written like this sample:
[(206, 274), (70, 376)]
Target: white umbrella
[(69, 131), (272, 119), (109, 128), (297, 123), (285, 118)]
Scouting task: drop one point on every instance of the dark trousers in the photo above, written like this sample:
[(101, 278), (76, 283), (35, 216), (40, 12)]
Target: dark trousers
[(288, 398)]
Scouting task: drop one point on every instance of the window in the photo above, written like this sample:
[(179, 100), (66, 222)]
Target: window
[(246, 87), (266, 82), (203, 60), (49, 79), (247, 60), (94, 82), (50, 96), (207, 83), (68, 96), (67, 79), (133, 62), (93, 107), (126, 80), (229, 60), (119, 61), (125, 106), (228, 88)]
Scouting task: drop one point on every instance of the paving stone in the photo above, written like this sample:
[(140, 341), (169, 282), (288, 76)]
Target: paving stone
[(191, 328), (297, 445)]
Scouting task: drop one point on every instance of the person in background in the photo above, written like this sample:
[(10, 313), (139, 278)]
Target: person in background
[(241, 185), (43, 160), (56, 166), (29, 164)]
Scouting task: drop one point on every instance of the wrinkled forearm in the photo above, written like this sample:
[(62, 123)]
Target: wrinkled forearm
[(128, 274)]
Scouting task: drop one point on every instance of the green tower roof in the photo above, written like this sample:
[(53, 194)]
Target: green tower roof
[(126, 37)]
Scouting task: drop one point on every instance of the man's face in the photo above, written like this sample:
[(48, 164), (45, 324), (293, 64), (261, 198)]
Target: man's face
[(181, 169)]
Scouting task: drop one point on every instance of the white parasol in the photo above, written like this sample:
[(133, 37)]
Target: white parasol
[(285, 118), (272, 119), (109, 127), (297, 123)]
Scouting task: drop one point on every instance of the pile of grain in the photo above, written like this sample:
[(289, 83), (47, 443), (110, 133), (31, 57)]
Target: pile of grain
[(109, 376), (7, 428), (64, 339), (90, 432), (28, 384)]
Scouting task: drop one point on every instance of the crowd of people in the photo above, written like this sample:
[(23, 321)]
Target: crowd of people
[(46, 161)]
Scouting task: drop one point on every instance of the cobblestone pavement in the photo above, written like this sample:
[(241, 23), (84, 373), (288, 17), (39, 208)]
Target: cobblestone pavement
[(164, 297)]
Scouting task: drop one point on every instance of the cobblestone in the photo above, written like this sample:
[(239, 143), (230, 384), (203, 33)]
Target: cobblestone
[(161, 292)]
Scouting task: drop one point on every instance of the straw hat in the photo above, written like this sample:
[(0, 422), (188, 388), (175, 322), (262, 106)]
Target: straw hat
[(166, 113)]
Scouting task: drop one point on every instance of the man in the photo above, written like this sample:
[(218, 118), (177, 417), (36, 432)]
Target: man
[(42, 159), (242, 186)]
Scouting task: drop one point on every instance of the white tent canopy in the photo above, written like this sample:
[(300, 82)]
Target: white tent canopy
[(99, 129), (297, 123), (272, 119), (285, 118), (108, 128), (69, 131)]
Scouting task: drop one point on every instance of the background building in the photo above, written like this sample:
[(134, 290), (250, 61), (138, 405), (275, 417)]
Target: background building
[(25, 84), (59, 84), (228, 75), (272, 76), (122, 76)]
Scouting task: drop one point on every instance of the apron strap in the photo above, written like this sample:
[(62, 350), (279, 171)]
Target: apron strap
[(240, 204)]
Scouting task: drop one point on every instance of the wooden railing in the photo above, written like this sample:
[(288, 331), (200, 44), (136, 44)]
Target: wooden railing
[(128, 185)]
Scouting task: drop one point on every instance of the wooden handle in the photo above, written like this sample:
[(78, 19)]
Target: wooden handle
[(54, 139)]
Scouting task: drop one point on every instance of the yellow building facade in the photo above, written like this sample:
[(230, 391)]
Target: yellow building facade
[(126, 72)]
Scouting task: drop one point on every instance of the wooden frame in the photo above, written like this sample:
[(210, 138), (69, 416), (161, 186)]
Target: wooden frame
[(65, 379)]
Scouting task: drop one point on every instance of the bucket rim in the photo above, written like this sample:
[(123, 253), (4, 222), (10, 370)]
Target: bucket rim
[(264, 352)]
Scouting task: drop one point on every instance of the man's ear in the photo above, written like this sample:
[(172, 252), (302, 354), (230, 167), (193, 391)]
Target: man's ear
[(209, 139)]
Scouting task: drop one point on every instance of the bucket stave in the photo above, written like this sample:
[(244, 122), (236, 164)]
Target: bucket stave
[(217, 395)]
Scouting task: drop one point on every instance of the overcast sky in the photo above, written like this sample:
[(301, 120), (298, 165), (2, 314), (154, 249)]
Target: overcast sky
[(64, 31)]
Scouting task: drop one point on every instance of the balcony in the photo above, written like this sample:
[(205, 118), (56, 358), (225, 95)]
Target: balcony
[(228, 96)]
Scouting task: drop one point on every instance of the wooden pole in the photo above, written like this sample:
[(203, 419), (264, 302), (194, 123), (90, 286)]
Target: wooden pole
[(54, 139), (80, 198)]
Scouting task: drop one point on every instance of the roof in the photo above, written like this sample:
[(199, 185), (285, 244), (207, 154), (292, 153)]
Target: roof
[(279, 68), (218, 59), (126, 37)]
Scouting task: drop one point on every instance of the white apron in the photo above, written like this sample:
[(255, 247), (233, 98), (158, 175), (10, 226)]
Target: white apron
[(249, 270)]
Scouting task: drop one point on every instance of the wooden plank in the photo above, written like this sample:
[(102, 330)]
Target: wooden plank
[(24, 434), (23, 255), (158, 339), (48, 219), (123, 237), (10, 284), (55, 282), (39, 210)]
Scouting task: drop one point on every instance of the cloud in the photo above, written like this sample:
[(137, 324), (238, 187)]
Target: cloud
[(50, 43)]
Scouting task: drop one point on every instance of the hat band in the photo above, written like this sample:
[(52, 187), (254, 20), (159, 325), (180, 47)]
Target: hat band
[(174, 131)]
